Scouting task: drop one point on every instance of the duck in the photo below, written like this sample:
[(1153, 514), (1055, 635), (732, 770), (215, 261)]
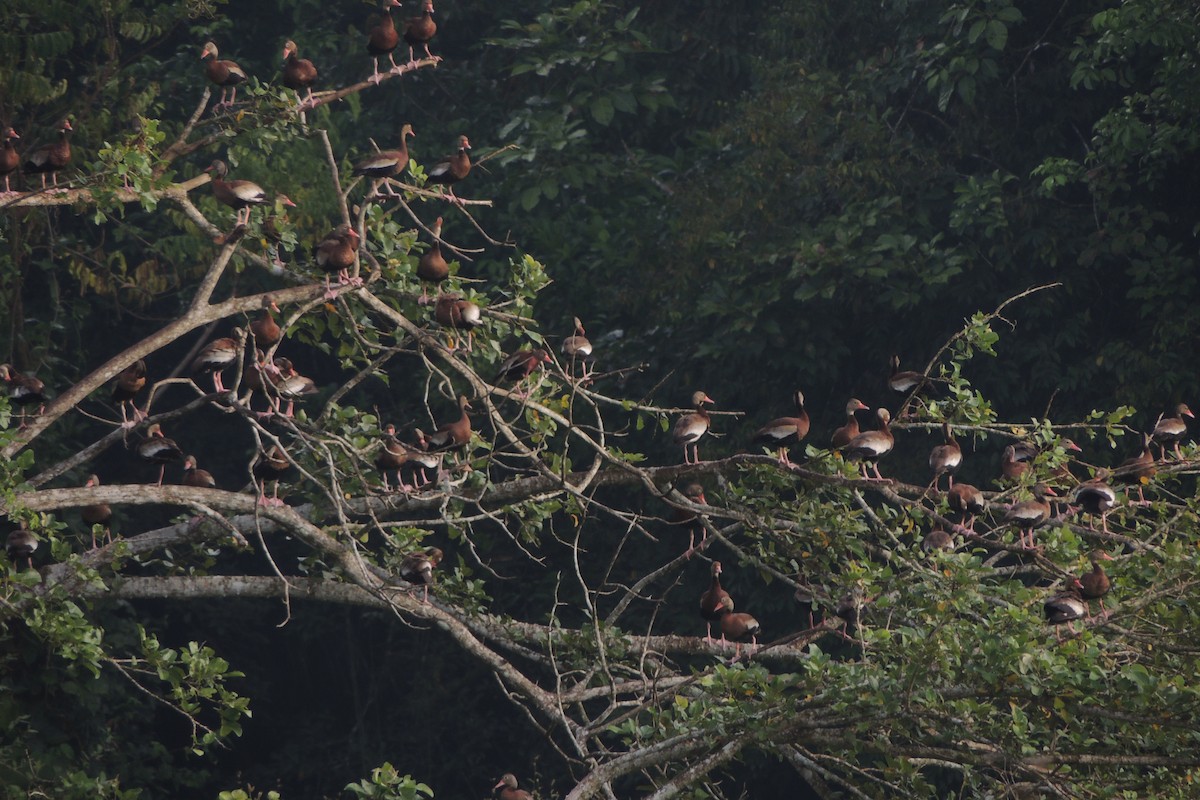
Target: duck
[(1095, 584), (713, 602), (520, 365), (298, 73), (937, 539), (291, 385), (270, 466), (264, 329), (1137, 470), (386, 163), (420, 459), (96, 513), (417, 569), (451, 169), (419, 31), (216, 357), (691, 427), (872, 445), (23, 390), (945, 458), (49, 159), (382, 39), (392, 456), (1065, 607), (270, 227), (681, 516), (194, 476), (1096, 497), (1030, 514), (239, 195), (455, 434), (967, 501), (224, 73), (740, 628), (786, 431), (507, 789), (1171, 429), (904, 381), (577, 348), (10, 159), (335, 255), (432, 266), (20, 546), (130, 381), (845, 434), (451, 311), (158, 449), (1011, 466)]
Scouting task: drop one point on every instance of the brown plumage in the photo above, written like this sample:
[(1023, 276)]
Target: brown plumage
[(419, 31), (872, 445), (391, 457), (903, 381), (1030, 514), (217, 356), (265, 329), (844, 435), (1065, 606), (714, 602), (1138, 470), (1171, 429), (383, 39), (386, 163), (681, 516), (298, 73), (521, 364), (937, 539), (270, 226), (129, 382), (291, 385), (335, 254), (50, 158), (417, 569), (224, 73), (1096, 497), (239, 195), (946, 458), (432, 266), (578, 348), (691, 427), (158, 449), (784, 432), (1011, 466), (20, 546), (421, 459), (96, 513), (507, 789), (455, 434), (23, 390), (270, 466), (194, 476), (740, 628), (451, 311), (10, 159), (451, 169), (1095, 584), (967, 501)]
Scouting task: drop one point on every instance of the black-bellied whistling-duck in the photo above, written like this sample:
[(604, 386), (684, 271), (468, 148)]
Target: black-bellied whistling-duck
[(383, 39), (967, 501), (870, 446), (681, 516), (451, 311), (520, 365), (217, 356), (291, 385), (1096, 497), (849, 610), (1025, 451), (23, 390), (945, 458), (420, 458), (417, 569), (419, 31), (784, 432), (270, 466), (1011, 467), (96, 513), (264, 328), (392, 456), (1030, 514), (271, 230), (1065, 607), (451, 169), (844, 435), (714, 602), (20, 546), (432, 266), (194, 476), (129, 382), (577, 347), (298, 73), (258, 375), (50, 158), (937, 539), (10, 159), (904, 381), (158, 449), (239, 195), (224, 73), (740, 628), (507, 789), (1171, 429), (1137, 470), (455, 434), (1095, 584), (386, 163), (690, 427), (335, 254)]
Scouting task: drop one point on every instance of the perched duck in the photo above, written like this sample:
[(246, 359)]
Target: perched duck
[(96, 513), (386, 164), (419, 31), (194, 476), (455, 434), (270, 466), (383, 39), (1011, 466), (844, 435), (507, 789), (521, 364), (967, 501), (217, 356), (335, 254), (945, 458), (23, 390), (451, 311), (740, 628), (51, 158), (417, 569), (432, 266), (158, 449), (264, 328), (224, 73), (129, 382), (872, 445), (291, 385), (20, 546), (298, 73), (1030, 514), (392, 456), (239, 195), (1171, 429), (577, 348), (420, 459), (451, 169), (1096, 497), (1065, 607), (904, 381), (681, 516), (1137, 470), (784, 432), (1095, 584), (714, 602), (10, 159), (937, 539), (691, 427)]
